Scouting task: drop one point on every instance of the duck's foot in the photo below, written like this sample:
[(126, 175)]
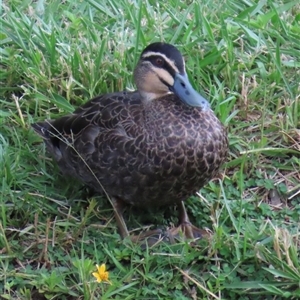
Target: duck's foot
[(149, 238), (186, 230)]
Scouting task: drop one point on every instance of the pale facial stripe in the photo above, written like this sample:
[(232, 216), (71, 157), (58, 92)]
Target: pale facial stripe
[(164, 75), (168, 60)]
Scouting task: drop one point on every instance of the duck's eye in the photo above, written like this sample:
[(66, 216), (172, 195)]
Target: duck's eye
[(159, 62)]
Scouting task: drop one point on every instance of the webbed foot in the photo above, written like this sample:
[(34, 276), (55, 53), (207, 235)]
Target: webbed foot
[(186, 230)]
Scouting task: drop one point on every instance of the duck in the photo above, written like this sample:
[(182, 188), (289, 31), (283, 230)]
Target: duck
[(153, 147)]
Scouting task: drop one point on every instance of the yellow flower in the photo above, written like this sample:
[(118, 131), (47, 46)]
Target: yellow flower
[(101, 274)]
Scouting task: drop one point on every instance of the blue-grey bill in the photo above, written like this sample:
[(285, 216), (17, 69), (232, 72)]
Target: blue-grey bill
[(186, 93)]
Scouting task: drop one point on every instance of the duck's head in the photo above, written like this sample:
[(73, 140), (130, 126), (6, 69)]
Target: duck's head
[(160, 71)]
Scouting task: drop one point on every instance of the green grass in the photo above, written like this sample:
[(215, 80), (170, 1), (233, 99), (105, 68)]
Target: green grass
[(244, 56)]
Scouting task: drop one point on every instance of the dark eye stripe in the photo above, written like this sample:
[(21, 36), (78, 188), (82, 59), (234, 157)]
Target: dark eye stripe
[(165, 65), (164, 82)]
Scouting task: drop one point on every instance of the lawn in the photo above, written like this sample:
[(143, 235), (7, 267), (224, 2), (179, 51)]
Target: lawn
[(244, 56)]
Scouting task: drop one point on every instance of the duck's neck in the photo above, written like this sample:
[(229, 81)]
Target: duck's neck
[(148, 97)]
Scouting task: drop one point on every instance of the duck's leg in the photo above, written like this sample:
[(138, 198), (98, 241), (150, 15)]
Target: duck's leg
[(190, 231), (152, 236), (118, 207), (186, 228)]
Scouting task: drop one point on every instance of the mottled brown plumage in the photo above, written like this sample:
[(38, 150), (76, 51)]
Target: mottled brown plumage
[(146, 148)]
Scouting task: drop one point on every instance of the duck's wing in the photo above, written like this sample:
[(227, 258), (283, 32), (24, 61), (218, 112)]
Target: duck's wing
[(73, 138)]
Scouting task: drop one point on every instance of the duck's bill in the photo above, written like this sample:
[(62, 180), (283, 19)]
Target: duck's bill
[(186, 93)]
